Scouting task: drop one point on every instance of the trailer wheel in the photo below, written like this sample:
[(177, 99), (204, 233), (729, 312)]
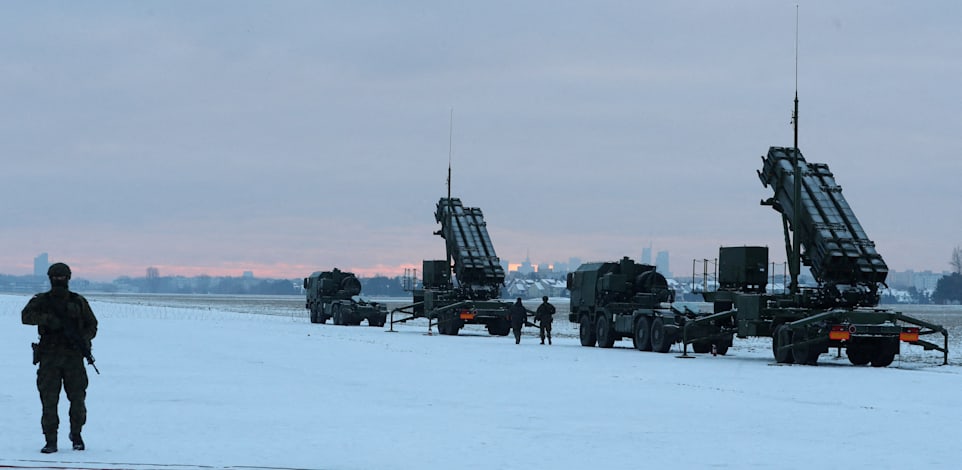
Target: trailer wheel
[(587, 332), (722, 345), (782, 336), (606, 337), (884, 353), (701, 347), (642, 335), (801, 352), (447, 324), (499, 327), (660, 342), (859, 354)]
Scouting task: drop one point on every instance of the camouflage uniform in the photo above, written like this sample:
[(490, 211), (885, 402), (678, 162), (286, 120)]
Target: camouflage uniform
[(517, 314), (545, 316), (65, 323)]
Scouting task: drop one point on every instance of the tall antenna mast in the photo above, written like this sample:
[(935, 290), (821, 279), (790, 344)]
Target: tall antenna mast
[(795, 260), (795, 114), (450, 147)]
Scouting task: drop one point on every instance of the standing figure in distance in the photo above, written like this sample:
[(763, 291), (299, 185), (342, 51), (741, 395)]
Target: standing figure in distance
[(66, 325), (518, 315), (544, 316)]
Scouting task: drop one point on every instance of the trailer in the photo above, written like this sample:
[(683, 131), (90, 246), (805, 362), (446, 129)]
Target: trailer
[(841, 311)]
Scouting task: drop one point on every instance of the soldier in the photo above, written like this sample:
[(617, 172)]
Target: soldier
[(544, 316), (66, 325), (518, 315)]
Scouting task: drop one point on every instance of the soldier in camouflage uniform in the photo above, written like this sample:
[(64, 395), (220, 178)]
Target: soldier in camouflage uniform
[(544, 316), (518, 316), (66, 325)]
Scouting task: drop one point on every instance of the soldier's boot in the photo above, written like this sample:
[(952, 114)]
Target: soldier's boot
[(78, 442), (549, 339), (51, 445)]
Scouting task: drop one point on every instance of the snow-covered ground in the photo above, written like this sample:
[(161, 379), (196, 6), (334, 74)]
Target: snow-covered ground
[(187, 387)]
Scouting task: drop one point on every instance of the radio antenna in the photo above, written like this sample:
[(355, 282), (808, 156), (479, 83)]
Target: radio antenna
[(795, 113), (450, 147)]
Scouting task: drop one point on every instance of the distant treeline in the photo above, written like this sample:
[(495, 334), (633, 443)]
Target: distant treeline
[(378, 286), (162, 285), (948, 289)]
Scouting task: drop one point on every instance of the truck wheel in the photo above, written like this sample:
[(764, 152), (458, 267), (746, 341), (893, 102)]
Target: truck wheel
[(859, 354), (338, 318), (322, 318), (660, 342), (642, 335), (314, 318), (782, 336), (884, 353), (606, 337), (587, 332)]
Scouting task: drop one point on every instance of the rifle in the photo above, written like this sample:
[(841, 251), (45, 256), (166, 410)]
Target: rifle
[(73, 336)]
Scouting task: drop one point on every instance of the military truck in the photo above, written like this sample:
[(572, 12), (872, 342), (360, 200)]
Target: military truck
[(471, 296), (840, 311), (615, 300), (336, 295)]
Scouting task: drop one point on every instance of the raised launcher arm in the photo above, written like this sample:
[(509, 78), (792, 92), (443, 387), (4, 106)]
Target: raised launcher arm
[(476, 267), (841, 256)]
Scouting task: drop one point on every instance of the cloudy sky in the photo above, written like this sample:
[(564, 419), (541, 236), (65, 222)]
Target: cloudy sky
[(286, 137)]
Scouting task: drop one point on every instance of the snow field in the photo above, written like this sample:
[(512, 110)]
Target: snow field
[(190, 387)]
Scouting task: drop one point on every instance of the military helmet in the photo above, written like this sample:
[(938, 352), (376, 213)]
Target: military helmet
[(59, 270)]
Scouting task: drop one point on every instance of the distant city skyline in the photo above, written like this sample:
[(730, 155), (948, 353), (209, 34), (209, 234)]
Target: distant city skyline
[(922, 279)]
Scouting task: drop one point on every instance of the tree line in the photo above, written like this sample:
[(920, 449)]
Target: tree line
[(949, 288)]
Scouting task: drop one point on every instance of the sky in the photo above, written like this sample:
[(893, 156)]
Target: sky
[(288, 137), (199, 387)]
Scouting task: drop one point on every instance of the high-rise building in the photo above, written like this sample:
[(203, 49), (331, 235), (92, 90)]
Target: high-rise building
[(661, 263), (40, 265), (526, 267), (646, 255)]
